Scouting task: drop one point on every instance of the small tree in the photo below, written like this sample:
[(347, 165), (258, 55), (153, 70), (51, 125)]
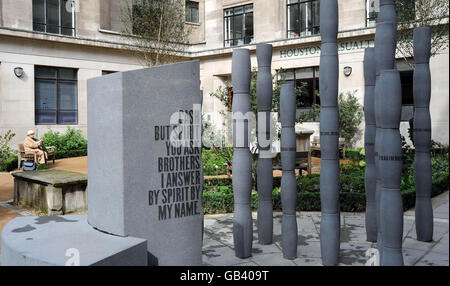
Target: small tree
[(155, 29), (350, 116), (422, 13)]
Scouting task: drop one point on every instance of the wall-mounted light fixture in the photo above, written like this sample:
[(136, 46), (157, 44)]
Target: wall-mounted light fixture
[(347, 71), (18, 71)]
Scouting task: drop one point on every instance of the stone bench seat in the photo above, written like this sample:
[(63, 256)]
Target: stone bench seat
[(51, 191)]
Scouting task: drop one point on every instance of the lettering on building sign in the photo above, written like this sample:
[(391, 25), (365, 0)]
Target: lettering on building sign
[(315, 50)]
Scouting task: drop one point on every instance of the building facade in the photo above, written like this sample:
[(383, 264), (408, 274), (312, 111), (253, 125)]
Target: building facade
[(59, 48)]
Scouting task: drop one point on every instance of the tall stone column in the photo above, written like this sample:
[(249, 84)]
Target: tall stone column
[(329, 134), (289, 232), (242, 162), (422, 133), (385, 46), (369, 144), (388, 107), (264, 171)]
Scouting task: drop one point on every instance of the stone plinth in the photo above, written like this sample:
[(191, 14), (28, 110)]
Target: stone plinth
[(51, 191), (141, 184), (67, 240)]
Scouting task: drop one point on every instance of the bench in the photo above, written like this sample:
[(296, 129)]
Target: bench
[(315, 145), (302, 161), (54, 192), (31, 156)]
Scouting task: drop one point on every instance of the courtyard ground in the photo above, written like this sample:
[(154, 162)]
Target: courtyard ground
[(218, 236)]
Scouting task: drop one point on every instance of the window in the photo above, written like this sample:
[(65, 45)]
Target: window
[(192, 12), (303, 18), (372, 9), (56, 100), (54, 16), (406, 78), (238, 26), (306, 82)]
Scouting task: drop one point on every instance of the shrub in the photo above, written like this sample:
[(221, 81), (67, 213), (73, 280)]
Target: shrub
[(213, 163), (218, 192), (69, 144), (9, 164)]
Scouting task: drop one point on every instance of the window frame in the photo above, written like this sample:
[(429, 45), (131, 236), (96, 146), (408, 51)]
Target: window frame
[(314, 79), (187, 6), (371, 22), (60, 26), (243, 38), (312, 28), (57, 80)]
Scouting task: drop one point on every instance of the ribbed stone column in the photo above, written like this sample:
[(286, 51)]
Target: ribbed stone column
[(329, 134), (422, 133), (389, 107), (242, 162), (289, 231), (385, 46), (264, 171), (369, 144)]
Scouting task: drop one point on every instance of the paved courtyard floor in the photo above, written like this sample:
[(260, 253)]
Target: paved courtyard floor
[(218, 240), (218, 236)]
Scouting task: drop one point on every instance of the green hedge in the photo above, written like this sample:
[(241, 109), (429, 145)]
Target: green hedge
[(221, 199), (9, 164), (218, 192), (70, 154)]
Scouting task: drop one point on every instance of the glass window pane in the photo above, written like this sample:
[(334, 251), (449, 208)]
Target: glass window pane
[(293, 24), (305, 98), (45, 91), (248, 8), (67, 117), (249, 26), (316, 14), (304, 73), (66, 15), (238, 27), (67, 95), (53, 16), (39, 13), (317, 71), (229, 12), (228, 28), (45, 72), (292, 1), (45, 116), (238, 10), (288, 75), (67, 73)]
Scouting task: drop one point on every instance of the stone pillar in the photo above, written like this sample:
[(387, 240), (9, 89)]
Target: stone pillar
[(389, 107), (242, 161), (422, 134), (329, 134), (385, 46), (264, 172), (369, 144), (289, 231)]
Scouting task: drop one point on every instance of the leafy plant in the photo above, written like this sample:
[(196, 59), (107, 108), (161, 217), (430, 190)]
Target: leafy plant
[(5, 149), (350, 116), (70, 144)]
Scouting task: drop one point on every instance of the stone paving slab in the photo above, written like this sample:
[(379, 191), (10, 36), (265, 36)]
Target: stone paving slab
[(218, 240)]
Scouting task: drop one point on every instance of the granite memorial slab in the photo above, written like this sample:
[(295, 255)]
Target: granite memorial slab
[(145, 168)]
